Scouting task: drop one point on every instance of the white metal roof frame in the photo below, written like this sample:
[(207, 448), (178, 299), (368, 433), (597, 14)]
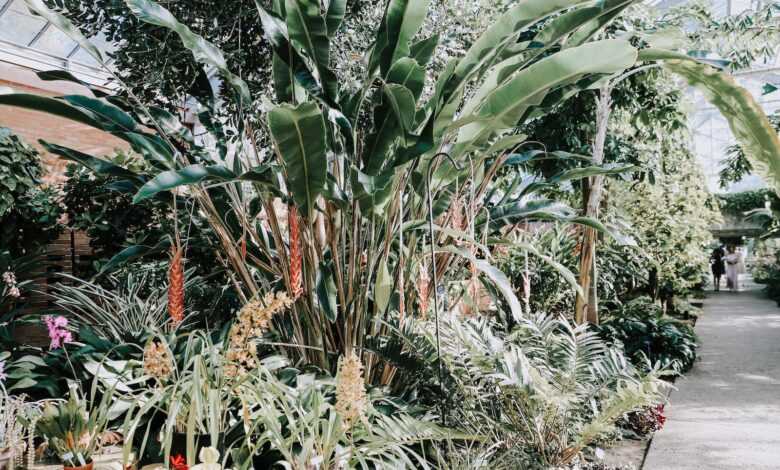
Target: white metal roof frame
[(29, 41)]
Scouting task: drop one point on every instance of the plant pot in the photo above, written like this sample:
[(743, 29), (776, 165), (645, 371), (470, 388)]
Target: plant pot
[(83, 467), (8, 455), (6, 458)]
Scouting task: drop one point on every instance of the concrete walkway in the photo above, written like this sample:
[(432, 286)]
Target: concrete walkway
[(726, 411)]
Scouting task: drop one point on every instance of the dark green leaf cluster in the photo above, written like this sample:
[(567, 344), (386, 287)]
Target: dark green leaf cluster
[(739, 203), (29, 212), (647, 334)]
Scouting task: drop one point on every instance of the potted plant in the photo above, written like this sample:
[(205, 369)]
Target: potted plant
[(72, 430)]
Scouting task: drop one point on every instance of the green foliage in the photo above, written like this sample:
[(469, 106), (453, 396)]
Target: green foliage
[(108, 216), (671, 217), (29, 213), (767, 272), (737, 165), (73, 428), (301, 423), (745, 201), (741, 39), (97, 204), (650, 337), (19, 171), (623, 270), (361, 186), (543, 392), (747, 121), (168, 73)]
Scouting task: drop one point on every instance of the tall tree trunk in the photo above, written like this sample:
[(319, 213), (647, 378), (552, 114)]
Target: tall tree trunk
[(586, 308)]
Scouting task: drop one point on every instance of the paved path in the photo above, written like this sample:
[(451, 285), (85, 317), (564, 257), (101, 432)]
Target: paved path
[(726, 411)]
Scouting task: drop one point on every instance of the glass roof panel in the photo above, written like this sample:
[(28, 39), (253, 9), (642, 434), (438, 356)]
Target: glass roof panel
[(19, 28), (84, 57), (55, 42)]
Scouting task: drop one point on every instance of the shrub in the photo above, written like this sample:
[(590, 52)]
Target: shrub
[(647, 334), (543, 393), (29, 213)]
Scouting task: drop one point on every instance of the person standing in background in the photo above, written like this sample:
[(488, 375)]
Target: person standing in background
[(733, 261), (718, 266)]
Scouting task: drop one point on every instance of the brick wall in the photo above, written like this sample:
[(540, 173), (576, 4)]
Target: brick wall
[(34, 125)]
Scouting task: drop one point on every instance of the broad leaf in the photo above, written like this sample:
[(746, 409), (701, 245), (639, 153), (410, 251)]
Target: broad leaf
[(97, 165), (383, 287), (588, 171), (423, 50), (505, 29), (113, 118), (335, 15), (307, 29), (498, 278), (401, 22), (191, 174), (300, 137), (134, 252), (194, 174), (508, 103), (49, 105), (64, 75), (393, 118), (372, 192), (326, 290), (746, 118)]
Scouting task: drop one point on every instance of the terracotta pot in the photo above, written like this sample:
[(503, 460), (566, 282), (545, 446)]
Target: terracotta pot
[(83, 467), (8, 455), (6, 459)]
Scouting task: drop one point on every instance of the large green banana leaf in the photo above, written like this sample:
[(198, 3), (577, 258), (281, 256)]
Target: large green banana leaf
[(501, 34), (549, 36), (308, 30), (194, 174), (335, 15), (300, 137), (505, 105), (401, 22), (745, 116)]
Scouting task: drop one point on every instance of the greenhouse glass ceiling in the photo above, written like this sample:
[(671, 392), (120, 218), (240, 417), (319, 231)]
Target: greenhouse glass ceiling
[(32, 42)]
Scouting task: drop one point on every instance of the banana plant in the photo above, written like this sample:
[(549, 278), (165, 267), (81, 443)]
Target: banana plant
[(335, 213)]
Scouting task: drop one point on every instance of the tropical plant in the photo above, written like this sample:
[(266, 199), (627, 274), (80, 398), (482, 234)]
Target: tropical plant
[(670, 217), (73, 427), (302, 424), (123, 314), (543, 392), (646, 334), (20, 170), (354, 165)]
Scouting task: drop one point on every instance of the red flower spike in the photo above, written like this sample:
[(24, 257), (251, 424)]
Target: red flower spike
[(296, 258)]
